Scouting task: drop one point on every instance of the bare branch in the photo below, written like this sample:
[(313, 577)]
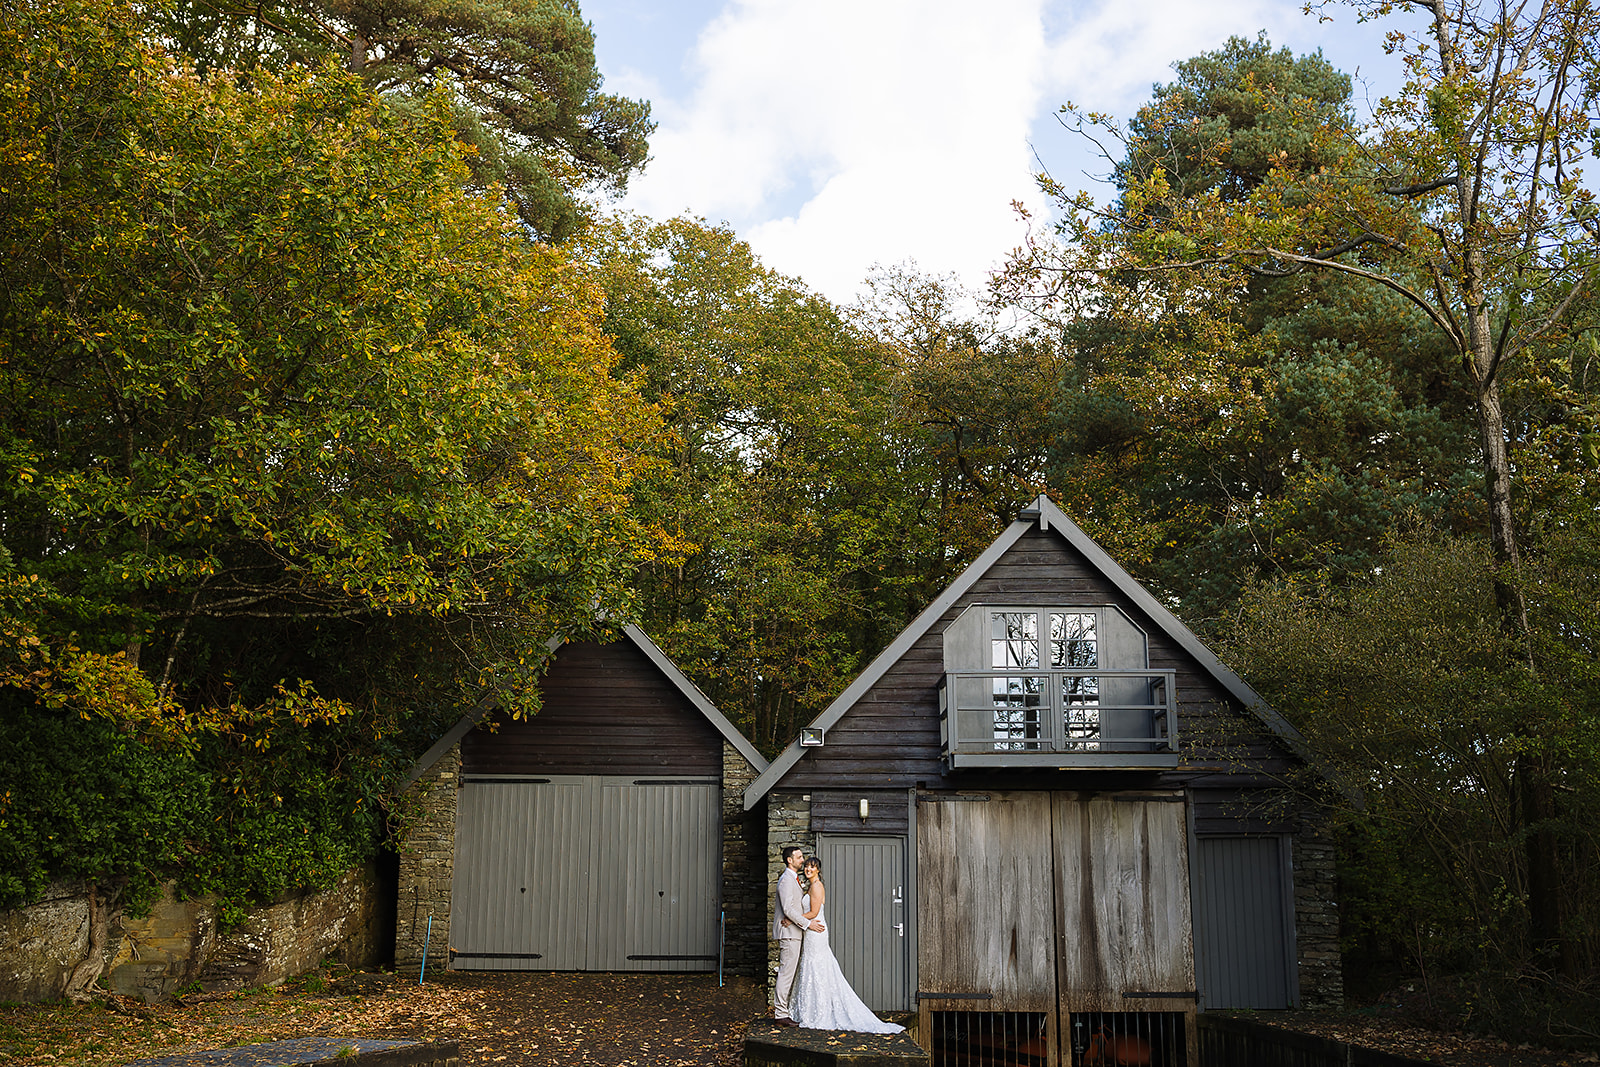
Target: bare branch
[(1241, 257), (1422, 187), (1367, 238)]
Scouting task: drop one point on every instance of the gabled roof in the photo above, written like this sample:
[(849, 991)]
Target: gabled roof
[(654, 654), (1047, 516)]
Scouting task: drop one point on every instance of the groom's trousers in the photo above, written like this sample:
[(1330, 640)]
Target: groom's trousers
[(788, 964)]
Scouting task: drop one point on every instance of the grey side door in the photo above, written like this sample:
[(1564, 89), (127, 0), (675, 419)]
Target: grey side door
[(1244, 940), (866, 911)]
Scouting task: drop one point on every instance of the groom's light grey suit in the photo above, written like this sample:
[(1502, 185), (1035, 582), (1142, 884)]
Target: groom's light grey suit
[(787, 903)]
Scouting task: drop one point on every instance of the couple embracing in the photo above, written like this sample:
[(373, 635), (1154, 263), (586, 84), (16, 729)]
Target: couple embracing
[(811, 991)]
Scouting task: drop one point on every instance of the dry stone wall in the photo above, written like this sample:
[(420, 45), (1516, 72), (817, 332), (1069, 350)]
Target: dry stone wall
[(743, 895)]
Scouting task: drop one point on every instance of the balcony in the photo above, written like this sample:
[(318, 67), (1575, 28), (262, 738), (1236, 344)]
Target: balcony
[(1074, 718)]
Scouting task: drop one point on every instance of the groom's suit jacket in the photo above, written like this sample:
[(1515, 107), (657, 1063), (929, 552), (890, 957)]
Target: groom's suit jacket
[(786, 901)]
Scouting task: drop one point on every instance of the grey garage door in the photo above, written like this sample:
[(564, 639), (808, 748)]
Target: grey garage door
[(586, 873), (1244, 940)]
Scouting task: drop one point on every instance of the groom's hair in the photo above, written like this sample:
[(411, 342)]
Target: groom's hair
[(790, 850)]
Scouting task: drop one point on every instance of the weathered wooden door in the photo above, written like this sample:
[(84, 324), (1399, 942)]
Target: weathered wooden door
[(1053, 903), (866, 878), (986, 975), (1125, 947), (586, 873), (1124, 931)]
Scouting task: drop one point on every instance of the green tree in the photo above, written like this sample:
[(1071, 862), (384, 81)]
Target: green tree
[(1406, 684), (811, 527), (978, 398), (524, 89), (1233, 115), (304, 443), (1210, 430), (1461, 198)]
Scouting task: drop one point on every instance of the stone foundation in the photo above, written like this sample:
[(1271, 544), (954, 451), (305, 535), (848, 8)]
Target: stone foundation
[(178, 943)]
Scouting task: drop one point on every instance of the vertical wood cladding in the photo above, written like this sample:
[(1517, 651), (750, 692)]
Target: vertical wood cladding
[(890, 738), (607, 710)]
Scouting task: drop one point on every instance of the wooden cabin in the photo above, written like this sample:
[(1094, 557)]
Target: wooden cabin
[(604, 833), (1051, 820)]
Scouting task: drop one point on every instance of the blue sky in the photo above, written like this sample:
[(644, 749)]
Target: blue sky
[(839, 134)]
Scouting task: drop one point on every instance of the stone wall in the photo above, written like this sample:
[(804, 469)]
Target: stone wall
[(427, 866), (1316, 917), (40, 944), (788, 823), (179, 944), (743, 893)]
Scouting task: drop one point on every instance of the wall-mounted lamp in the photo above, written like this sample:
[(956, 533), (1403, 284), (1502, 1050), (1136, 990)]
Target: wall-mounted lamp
[(864, 809), (810, 737)]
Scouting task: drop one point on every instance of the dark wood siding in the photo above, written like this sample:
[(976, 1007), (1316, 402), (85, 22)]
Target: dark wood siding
[(888, 812), (890, 738), (607, 710)]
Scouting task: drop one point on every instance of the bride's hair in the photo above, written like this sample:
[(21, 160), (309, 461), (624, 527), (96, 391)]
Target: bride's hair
[(812, 861)]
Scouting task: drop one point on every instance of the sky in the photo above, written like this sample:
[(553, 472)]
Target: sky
[(840, 135)]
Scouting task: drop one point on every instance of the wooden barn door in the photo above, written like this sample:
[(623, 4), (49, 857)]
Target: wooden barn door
[(1125, 953), (1045, 916), (986, 982)]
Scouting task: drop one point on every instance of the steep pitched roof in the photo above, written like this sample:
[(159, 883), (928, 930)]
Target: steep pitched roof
[(1047, 516), (652, 652)]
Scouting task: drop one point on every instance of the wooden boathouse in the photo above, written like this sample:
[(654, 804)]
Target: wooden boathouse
[(1052, 822)]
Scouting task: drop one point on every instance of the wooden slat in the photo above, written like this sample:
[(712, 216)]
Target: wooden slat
[(606, 710)]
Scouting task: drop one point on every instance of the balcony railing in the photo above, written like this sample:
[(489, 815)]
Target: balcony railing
[(1065, 718)]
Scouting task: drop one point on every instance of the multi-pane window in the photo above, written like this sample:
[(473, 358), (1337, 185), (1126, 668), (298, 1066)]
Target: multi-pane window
[(1021, 696)]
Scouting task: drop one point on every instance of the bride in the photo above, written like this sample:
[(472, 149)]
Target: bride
[(822, 999)]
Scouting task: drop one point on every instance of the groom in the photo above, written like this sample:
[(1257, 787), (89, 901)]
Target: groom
[(789, 924)]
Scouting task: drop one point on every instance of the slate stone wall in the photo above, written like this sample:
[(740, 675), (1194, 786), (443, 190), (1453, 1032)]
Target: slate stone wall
[(1316, 916), (788, 823), (743, 895), (427, 866)]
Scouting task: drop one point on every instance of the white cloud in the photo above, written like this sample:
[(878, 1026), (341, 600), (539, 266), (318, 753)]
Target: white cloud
[(878, 131), (834, 135)]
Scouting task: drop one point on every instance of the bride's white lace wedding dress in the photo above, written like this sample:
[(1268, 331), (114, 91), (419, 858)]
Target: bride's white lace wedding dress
[(822, 999)]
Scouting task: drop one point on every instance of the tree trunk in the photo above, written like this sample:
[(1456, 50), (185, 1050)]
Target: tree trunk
[(81, 981), (1537, 793), (1502, 530)]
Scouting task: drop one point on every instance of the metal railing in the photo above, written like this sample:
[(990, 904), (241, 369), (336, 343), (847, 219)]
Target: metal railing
[(1081, 716)]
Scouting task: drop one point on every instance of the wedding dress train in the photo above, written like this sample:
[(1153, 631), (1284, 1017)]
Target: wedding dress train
[(822, 999)]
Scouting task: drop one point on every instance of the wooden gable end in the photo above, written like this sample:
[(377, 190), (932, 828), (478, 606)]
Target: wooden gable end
[(607, 710), (889, 738)]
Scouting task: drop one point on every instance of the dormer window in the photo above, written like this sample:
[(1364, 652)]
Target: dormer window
[(1053, 681)]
